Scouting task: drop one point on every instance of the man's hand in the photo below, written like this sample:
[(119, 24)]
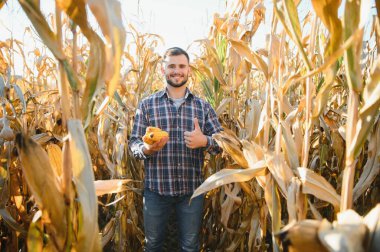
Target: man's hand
[(195, 139), (150, 149)]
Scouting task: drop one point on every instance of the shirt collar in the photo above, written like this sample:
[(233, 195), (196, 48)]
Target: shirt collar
[(165, 93)]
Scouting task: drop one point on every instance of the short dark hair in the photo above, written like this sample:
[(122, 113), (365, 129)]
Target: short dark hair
[(175, 51)]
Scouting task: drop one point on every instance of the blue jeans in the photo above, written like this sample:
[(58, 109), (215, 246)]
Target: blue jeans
[(157, 209)]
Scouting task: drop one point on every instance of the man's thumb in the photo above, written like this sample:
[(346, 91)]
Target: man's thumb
[(196, 124)]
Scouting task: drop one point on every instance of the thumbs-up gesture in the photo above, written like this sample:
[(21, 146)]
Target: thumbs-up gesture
[(195, 139)]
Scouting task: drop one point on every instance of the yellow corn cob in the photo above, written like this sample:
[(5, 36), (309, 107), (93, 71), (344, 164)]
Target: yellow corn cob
[(154, 134), (147, 140), (43, 183), (153, 129)]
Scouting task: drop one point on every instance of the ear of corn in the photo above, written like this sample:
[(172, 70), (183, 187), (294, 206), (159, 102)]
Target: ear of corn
[(147, 140), (156, 136), (42, 181), (152, 129), (153, 135)]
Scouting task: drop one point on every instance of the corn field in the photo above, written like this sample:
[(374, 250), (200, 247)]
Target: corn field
[(301, 145)]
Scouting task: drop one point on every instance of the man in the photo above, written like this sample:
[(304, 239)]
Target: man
[(173, 166)]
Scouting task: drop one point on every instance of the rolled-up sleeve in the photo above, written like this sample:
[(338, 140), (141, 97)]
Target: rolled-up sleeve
[(139, 126)]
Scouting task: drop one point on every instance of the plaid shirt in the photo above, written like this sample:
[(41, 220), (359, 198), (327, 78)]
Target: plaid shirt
[(175, 169)]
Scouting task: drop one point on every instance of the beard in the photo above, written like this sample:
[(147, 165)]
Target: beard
[(176, 85)]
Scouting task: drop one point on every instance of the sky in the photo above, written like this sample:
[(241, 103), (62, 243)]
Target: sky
[(167, 17), (178, 22)]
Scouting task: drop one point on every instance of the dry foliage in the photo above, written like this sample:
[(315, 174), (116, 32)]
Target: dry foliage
[(301, 146)]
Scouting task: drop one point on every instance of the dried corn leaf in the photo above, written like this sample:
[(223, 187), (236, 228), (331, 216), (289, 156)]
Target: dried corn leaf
[(368, 113), (291, 25), (108, 232), (291, 10), (327, 11), (227, 176), (244, 51), (295, 201), (275, 211), (42, 182), (252, 152), (76, 10), (11, 222), (35, 241), (32, 10), (253, 119), (214, 62), (2, 2), (243, 70), (222, 106), (253, 230), (102, 135), (121, 146), (2, 86), (347, 234), (227, 207), (297, 134), (352, 54), (315, 184), (240, 233), (275, 52), (338, 145), (94, 76), (372, 220), (228, 141), (280, 171), (235, 62), (291, 149), (372, 167), (357, 35), (314, 210), (20, 96), (290, 82), (110, 186), (320, 101), (108, 14), (88, 239)]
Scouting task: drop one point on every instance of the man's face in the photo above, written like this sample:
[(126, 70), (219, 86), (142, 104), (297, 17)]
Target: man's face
[(176, 70)]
